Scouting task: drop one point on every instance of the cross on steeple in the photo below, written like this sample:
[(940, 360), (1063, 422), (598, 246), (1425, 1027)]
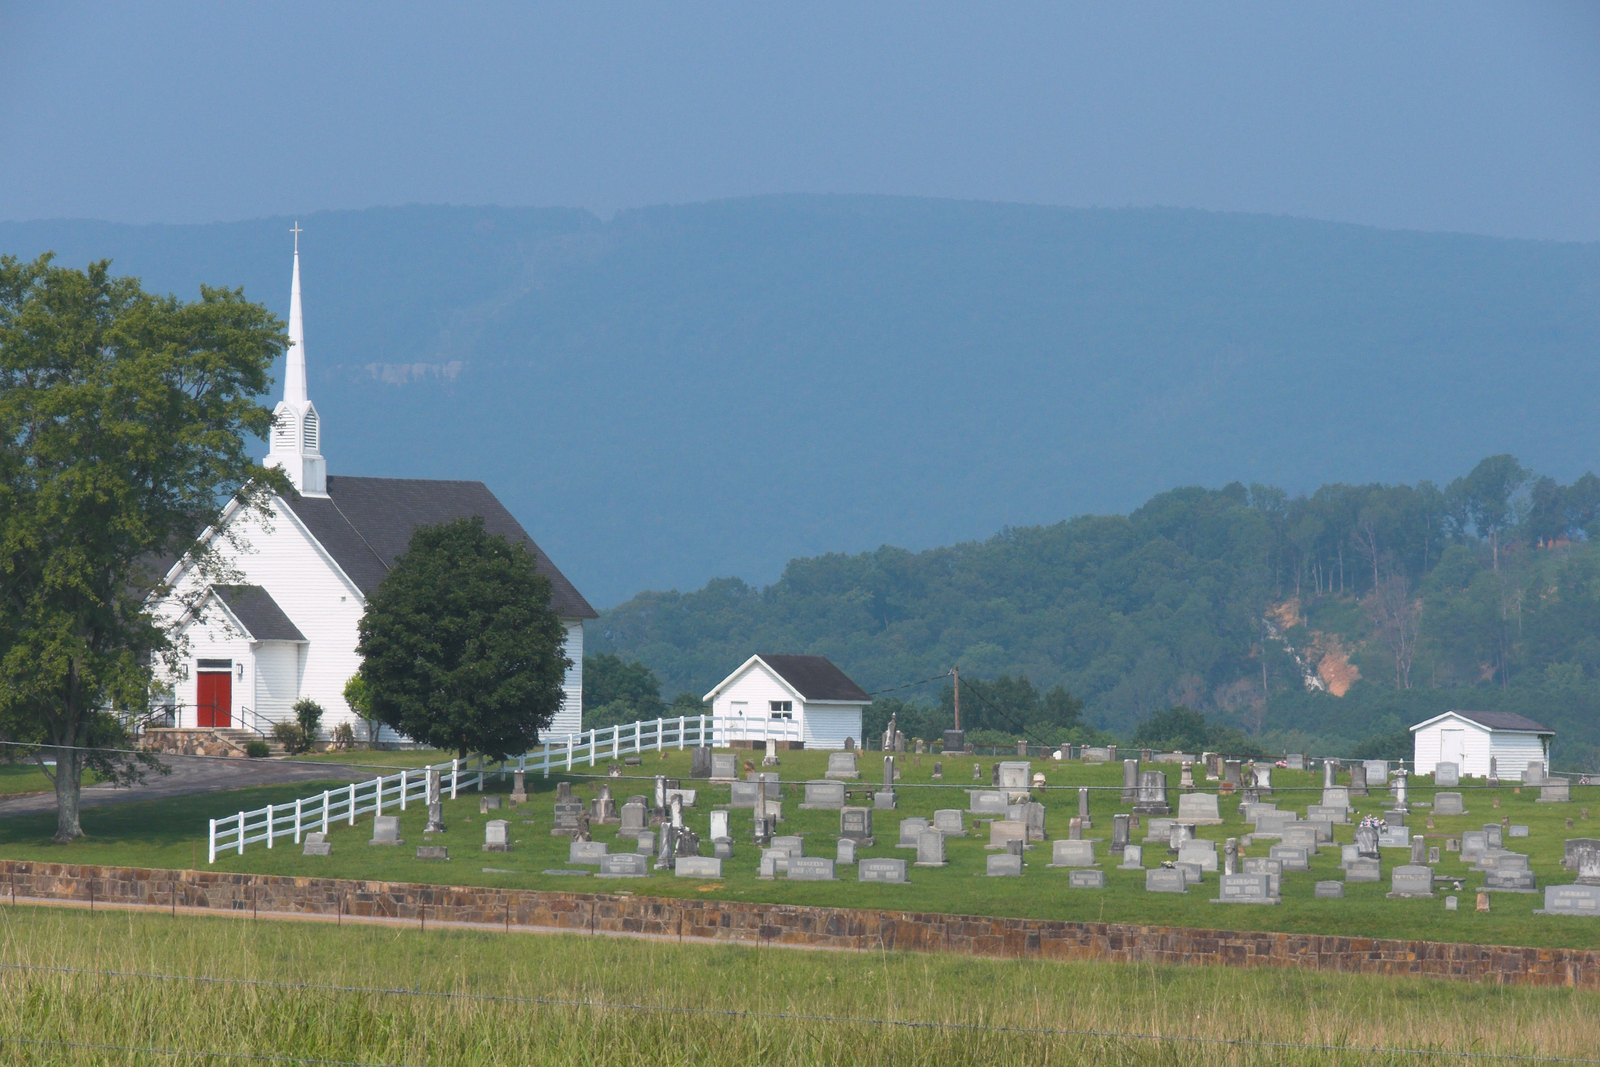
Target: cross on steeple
[(297, 231)]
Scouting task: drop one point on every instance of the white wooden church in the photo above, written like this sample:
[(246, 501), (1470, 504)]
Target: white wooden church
[(286, 627)]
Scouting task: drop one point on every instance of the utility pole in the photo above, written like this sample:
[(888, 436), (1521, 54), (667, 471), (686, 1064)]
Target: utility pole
[(956, 673)]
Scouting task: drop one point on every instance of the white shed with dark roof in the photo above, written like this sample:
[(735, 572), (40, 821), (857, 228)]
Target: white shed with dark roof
[(287, 628), (1470, 739), (807, 690)]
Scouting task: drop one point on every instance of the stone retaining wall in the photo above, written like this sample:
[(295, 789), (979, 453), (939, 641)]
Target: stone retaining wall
[(783, 924)]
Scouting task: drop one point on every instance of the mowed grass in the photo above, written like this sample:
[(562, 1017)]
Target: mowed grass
[(172, 834), (360, 994)]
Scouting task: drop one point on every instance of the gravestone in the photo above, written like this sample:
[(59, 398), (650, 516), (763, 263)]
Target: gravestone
[(1119, 833), (1165, 880), (791, 844), (487, 804), (987, 802), (843, 767), (646, 845), (697, 867), (1296, 761), (724, 766), (1199, 855), (720, 828), (1411, 881), (688, 796), (722, 848), (433, 852), (1301, 836), (1273, 823), (1367, 840), (856, 824), (1033, 819), (519, 787), (1533, 773), (1231, 773), (1474, 843), (1178, 835), (1083, 808), (700, 762), (1328, 891), (624, 865), (1377, 772), (1509, 881), (634, 816), (774, 861), (938, 771), (495, 837), (1192, 875), (771, 757), (744, 795), (1419, 850), (1199, 808), (1330, 773), (1555, 791), (1363, 870), (1015, 775), (436, 817), (1004, 865), (1004, 831), (823, 795), (1570, 900), (846, 851), (1348, 854), (1573, 845), (1447, 774), (811, 869), (768, 780), (1358, 780), (881, 871), (1394, 837), (1273, 869), (603, 809), (1395, 819), (317, 845), (1096, 754), (949, 821), (1130, 781), (1072, 854), (1449, 804), (955, 740), (885, 800), (909, 829), (930, 848), (1492, 830), (1494, 776), (1244, 889), (1152, 798), (1082, 879), (1336, 796), (1433, 855), (1158, 830), (587, 852), (386, 831), (1292, 858), (1263, 777), (1327, 814), (1132, 858), (1230, 856), (569, 812), (1517, 830)]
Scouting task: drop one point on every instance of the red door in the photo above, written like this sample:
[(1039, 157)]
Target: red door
[(214, 698)]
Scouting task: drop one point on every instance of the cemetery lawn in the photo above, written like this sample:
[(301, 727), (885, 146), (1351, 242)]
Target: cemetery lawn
[(172, 834), (361, 994)]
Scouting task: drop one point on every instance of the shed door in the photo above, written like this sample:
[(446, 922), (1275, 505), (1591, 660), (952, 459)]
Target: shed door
[(1452, 746), (214, 698)]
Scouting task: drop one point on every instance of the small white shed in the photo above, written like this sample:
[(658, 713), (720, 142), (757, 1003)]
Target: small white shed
[(807, 690), (1470, 738)]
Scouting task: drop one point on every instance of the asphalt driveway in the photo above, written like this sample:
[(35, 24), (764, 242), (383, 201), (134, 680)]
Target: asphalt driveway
[(197, 774)]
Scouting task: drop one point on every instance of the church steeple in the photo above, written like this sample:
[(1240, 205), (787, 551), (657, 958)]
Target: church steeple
[(297, 429)]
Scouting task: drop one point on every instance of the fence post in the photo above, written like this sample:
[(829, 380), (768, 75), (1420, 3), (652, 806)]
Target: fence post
[(402, 790), (482, 774), (327, 799), (211, 848), (269, 825), (616, 741), (572, 739), (377, 800), (352, 803), (455, 773), (594, 744), (680, 732), (297, 820), (241, 833)]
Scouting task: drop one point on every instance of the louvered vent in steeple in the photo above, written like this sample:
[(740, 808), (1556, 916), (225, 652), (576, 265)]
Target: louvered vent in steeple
[(311, 431)]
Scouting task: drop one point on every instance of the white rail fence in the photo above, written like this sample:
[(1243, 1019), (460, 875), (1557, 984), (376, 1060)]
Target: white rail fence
[(318, 813)]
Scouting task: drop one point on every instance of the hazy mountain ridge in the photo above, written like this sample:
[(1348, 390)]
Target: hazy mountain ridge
[(681, 392)]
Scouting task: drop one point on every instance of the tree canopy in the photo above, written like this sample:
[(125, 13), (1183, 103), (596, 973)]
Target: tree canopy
[(124, 419), (461, 649)]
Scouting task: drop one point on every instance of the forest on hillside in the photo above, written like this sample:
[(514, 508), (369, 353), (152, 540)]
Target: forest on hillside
[(1325, 622)]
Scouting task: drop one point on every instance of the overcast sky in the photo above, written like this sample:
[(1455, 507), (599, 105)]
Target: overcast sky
[(1459, 116)]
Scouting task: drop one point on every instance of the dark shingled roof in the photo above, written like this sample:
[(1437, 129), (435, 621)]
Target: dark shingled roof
[(365, 523), (254, 607), (1504, 720), (815, 677)]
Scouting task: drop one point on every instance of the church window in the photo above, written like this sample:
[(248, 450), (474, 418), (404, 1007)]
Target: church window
[(283, 432), (311, 431), (782, 709)]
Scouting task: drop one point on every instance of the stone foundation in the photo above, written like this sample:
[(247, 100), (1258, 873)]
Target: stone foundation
[(785, 924), (189, 742)]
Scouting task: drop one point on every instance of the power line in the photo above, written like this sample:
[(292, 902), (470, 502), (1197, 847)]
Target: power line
[(733, 1013), (908, 685)]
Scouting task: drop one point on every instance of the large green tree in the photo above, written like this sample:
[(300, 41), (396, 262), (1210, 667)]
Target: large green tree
[(460, 647), (124, 418)]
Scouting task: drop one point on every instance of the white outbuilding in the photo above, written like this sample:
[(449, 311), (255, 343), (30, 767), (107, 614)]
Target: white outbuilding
[(1470, 738), (808, 691)]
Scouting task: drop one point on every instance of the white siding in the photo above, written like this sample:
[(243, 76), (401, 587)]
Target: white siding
[(570, 718), (827, 725), (211, 636), (1513, 752), (755, 689), (277, 687)]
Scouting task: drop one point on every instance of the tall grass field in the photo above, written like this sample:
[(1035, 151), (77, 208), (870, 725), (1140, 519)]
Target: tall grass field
[(130, 988)]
